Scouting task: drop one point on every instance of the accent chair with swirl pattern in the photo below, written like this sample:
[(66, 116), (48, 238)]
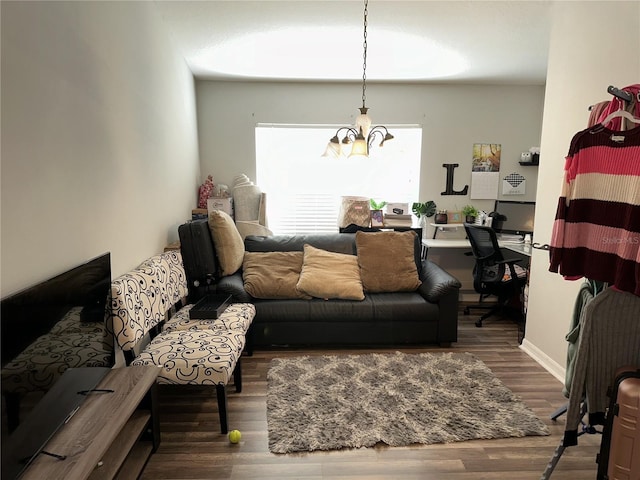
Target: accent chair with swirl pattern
[(152, 327)]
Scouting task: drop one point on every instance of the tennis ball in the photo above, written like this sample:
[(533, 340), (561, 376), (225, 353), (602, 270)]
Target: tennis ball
[(235, 436)]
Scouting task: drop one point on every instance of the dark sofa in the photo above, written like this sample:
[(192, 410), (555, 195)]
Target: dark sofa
[(428, 315)]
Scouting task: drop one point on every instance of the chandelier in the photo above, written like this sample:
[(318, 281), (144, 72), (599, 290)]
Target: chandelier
[(361, 136)]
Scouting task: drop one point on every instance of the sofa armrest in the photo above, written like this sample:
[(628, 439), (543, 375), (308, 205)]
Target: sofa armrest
[(439, 287), (234, 286), (436, 282)]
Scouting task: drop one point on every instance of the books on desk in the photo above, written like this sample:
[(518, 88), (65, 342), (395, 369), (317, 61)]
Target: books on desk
[(392, 221)]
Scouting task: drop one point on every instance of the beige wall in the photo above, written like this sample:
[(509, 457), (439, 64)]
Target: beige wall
[(453, 118), (593, 45), (99, 142)]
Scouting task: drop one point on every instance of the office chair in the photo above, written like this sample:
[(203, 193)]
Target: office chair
[(493, 274)]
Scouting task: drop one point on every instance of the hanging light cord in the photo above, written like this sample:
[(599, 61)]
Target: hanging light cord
[(364, 55), (352, 135)]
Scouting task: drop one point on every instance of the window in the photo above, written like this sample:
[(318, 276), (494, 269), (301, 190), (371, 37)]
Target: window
[(304, 189)]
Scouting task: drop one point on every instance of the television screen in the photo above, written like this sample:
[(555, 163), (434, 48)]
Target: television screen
[(514, 217), (46, 329)]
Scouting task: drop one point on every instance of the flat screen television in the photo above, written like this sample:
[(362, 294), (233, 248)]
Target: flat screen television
[(58, 327), (513, 217)]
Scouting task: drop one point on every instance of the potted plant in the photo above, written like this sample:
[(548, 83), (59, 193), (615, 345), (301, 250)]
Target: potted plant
[(377, 205), (377, 218), (424, 210), (470, 213)]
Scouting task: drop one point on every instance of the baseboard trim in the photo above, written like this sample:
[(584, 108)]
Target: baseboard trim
[(550, 365)]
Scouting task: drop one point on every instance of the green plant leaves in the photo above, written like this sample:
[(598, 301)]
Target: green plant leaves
[(377, 205), (426, 209)]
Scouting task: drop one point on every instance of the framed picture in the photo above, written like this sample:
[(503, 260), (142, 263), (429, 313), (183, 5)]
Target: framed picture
[(456, 217), (377, 219)]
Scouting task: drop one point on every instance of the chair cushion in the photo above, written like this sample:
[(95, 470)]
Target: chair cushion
[(521, 272), (330, 275), (236, 317), (490, 273), (194, 357), (387, 262), (272, 275), (227, 240)]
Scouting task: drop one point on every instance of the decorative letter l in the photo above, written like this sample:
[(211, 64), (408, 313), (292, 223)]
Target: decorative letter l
[(450, 190)]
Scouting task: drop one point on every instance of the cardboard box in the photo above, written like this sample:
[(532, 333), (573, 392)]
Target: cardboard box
[(221, 203), (397, 209)]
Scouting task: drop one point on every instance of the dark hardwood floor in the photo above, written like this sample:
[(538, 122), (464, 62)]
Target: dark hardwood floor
[(193, 448)]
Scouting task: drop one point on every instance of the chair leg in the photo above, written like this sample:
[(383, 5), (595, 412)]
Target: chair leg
[(248, 348), (492, 311), (222, 407), (237, 376), (560, 411)]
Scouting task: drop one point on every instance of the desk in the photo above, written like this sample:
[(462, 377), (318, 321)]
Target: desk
[(445, 226), (521, 248), (522, 252)]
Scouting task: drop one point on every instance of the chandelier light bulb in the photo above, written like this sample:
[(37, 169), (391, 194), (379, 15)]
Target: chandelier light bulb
[(363, 122)]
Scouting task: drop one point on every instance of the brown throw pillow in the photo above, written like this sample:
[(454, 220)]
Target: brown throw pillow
[(330, 275), (228, 242), (387, 261), (272, 274)]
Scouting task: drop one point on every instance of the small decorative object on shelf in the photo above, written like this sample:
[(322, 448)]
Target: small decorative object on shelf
[(377, 216), (470, 213), (441, 217), (205, 191), (532, 157)]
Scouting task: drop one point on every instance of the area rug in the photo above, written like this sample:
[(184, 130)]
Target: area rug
[(331, 402)]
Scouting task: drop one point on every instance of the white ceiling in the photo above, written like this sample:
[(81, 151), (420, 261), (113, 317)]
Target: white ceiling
[(503, 42)]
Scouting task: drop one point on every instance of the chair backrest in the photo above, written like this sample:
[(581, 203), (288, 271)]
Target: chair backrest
[(484, 243), (141, 298)]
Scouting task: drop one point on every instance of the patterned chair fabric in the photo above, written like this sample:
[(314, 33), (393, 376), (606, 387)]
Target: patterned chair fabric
[(141, 298), (236, 317), (194, 357), (189, 352)]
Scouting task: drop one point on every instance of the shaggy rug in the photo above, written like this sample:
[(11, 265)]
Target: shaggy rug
[(348, 401)]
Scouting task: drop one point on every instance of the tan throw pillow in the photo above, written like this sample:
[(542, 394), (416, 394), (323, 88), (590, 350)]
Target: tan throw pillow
[(330, 275), (228, 242), (272, 274), (387, 261)]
